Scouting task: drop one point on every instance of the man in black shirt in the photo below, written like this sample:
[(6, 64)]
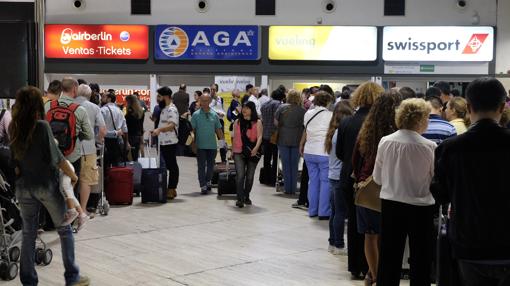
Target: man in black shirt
[(471, 173), (181, 101)]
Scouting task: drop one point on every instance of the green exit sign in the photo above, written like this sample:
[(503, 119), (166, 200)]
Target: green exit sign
[(427, 68)]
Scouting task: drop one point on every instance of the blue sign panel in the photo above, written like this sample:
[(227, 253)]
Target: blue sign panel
[(207, 42)]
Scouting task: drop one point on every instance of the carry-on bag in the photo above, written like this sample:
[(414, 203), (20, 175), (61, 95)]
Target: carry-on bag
[(119, 185), (137, 175), (154, 188), (227, 181), (447, 272)]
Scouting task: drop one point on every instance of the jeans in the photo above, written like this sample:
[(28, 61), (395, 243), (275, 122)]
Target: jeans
[(205, 161), (245, 171), (338, 213), (169, 153), (31, 200), (270, 162), (290, 162), (398, 221), (319, 196), (477, 274)]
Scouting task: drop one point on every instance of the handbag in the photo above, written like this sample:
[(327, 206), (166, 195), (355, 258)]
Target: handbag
[(367, 194)]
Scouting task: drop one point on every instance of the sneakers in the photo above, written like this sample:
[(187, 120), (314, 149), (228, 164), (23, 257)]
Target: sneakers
[(248, 202), (82, 220), (339, 251), (240, 204), (203, 190), (300, 206), (82, 281), (69, 216)]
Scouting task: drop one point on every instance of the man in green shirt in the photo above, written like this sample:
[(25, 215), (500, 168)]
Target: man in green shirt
[(83, 129), (206, 127)]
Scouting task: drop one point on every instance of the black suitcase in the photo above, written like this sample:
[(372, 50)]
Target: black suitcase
[(218, 168), (154, 183), (227, 181), (446, 267)]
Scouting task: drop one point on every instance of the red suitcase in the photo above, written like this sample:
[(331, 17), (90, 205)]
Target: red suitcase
[(119, 185)]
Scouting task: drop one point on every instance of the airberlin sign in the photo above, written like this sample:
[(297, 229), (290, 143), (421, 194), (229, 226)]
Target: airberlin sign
[(207, 42), (96, 41), (463, 44)]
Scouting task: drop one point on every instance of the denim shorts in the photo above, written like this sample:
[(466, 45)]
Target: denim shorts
[(369, 221)]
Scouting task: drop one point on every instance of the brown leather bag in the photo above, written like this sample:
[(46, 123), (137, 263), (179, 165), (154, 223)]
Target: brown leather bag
[(367, 194)]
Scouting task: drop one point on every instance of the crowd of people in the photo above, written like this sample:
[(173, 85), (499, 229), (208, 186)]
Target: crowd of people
[(380, 162)]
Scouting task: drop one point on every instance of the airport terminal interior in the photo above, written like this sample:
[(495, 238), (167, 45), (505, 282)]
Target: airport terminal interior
[(254, 142)]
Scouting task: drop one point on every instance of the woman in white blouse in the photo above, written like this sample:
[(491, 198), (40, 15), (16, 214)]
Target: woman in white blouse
[(317, 160), (404, 167)]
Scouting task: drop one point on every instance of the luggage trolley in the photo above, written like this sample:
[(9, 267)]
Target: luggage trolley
[(279, 174), (9, 240)]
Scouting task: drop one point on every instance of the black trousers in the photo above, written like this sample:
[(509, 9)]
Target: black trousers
[(223, 151), (474, 274), (356, 260), (135, 142), (112, 152), (169, 153), (303, 186), (270, 162), (399, 220)]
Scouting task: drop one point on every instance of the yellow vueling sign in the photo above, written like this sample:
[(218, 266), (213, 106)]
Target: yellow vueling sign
[(323, 43)]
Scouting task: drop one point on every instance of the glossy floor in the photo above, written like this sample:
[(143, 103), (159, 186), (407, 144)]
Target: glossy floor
[(202, 240)]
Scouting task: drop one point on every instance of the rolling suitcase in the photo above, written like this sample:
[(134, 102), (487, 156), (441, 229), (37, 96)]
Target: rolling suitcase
[(227, 182), (446, 267), (219, 167), (119, 185), (154, 178), (137, 175)]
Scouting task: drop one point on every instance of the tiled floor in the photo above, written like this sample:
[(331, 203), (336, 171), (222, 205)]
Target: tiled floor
[(202, 240)]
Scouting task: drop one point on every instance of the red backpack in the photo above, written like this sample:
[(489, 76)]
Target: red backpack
[(63, 125)]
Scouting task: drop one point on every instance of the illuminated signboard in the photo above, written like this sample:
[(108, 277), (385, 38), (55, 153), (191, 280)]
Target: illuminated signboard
[(323, 43), (96, 42), (143, 94), (207, 42), (468, 44)]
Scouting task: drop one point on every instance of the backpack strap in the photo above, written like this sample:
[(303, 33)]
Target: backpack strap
[(73, 107), (53, 104)]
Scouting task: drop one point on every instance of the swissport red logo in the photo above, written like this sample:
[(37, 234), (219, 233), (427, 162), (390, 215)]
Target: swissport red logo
[(475, 43)]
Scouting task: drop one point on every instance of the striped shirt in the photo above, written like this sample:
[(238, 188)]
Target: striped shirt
[(268, 111), (439, 129)]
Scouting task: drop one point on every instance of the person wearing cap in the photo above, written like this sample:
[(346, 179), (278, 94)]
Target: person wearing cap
[(181, 101), (167, 138), (439, 129)]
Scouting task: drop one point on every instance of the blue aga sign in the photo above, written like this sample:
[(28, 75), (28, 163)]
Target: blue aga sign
[(207, 42)]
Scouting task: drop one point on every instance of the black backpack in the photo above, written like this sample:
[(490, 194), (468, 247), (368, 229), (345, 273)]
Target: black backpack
[(184, 130)]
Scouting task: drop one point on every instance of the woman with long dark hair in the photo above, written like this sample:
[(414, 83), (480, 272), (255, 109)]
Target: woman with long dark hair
[(134, 120), (37, 160), (338, 208), (380, 122), (246, 146)]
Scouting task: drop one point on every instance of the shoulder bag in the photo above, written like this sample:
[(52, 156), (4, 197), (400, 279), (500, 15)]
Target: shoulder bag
[(367, 192)]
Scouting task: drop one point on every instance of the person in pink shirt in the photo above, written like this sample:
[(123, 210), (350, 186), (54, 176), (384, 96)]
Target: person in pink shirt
[(246, 146)]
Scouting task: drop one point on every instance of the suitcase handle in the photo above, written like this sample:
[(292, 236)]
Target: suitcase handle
[(148, 145)]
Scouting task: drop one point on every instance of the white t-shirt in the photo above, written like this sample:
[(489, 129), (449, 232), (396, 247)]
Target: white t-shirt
[(255, 100), (316, 130), (404, 167), (169, 114)]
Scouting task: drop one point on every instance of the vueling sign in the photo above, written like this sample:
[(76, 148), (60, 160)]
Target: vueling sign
[(207, 42), (438, 43)]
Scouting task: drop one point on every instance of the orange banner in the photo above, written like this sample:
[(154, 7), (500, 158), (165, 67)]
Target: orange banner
[(143, 94), (96, 42)]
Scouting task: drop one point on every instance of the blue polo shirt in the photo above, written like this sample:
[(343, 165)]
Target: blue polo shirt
[(205, 125)]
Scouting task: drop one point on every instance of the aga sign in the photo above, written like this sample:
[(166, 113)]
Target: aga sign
[(207, 42)]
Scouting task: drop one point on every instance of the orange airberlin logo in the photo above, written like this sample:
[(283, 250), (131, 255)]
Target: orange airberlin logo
[(475, 43)]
